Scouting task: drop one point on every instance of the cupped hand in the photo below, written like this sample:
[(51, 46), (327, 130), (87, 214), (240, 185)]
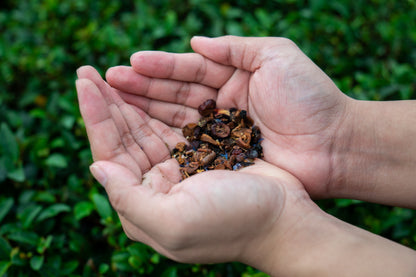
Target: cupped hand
[(297, 107), (214, 216)]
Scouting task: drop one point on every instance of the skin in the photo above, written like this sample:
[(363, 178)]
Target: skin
[(335, 145), (296, 106), (261, 215)]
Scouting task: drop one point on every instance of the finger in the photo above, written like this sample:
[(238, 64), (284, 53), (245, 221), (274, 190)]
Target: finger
[(188, 67), (138, 133), (163, 176), (232, 94), (138, 140), (125, 79), (241, 52), (102, 132), (170, 136), (124, 150), (143, 206), (171, 114), (159, 130), (141, 103), (90, 73)]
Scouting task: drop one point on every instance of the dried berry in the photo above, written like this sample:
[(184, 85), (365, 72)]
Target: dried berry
[(194, 144), (220, 130), (209, 139), (252, 153), (242, 137), (188, 130), (208, 159), (207, 107), (255, 134), (221, 139), (180, 146)]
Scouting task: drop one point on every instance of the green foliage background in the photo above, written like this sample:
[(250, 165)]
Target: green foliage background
[(54, 219)]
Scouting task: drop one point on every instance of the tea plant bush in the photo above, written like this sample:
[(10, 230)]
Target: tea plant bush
[(54, 218)]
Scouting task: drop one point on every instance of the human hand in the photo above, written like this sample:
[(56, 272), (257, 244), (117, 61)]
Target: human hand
[(260, 215), (214, 216), (297, 107)]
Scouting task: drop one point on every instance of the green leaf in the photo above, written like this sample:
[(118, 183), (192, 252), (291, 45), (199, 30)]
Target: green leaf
[(16, 258), (5, 249), (69, 267), (4, 266), (135, 262), (36, 262), (57, 160), (58, 142), (170, 272), (83, 209), (68, 121), (17, 174), (346, 202), (8, 144), (102, 205), (39, 113), (103, 268), (9, 153), (119, 261), (45, 196), (52, 211), (3, 169), (155, 259), (5, 207), (44, 244), (24, 237), (26, 196), (137, 249), (28, 215)]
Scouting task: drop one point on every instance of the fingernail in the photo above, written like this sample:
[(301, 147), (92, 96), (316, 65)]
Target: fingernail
[(201, 37), (98, 174), (78, 71)]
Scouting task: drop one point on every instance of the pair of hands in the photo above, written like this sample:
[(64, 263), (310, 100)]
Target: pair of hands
[(255, 215)]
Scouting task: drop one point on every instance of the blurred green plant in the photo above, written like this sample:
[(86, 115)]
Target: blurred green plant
[(54, 219)]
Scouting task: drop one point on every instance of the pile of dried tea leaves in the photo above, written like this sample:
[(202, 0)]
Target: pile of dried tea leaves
[(222, 139)]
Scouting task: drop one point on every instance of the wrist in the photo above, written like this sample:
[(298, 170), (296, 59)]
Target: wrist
[(318, 244), (345, 157), (284, 250), (374, 153)]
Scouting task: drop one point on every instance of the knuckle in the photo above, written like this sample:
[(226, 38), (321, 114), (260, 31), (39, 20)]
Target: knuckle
[(287, 43), (201, 71), (127, 139), (141, 131), (166, 132), (170, 67), (179, 116), (183, 93), (116, 151)]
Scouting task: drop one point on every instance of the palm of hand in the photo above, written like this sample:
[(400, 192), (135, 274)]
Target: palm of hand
[(173, 217), (239, 206), (297, 108), (292, 101)]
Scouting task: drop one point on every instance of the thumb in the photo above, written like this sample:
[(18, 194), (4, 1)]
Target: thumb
[(246, 53), (129, 198)]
